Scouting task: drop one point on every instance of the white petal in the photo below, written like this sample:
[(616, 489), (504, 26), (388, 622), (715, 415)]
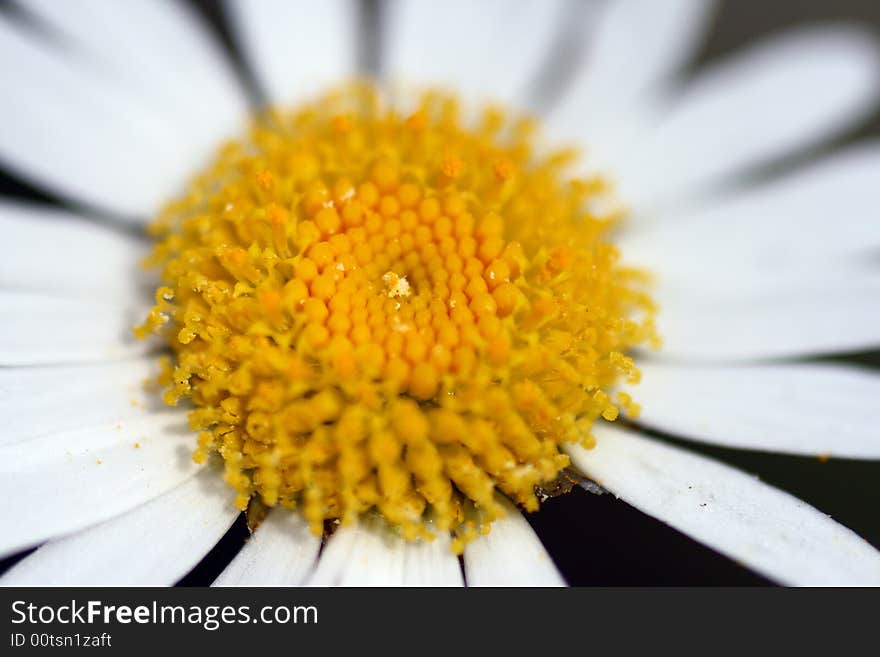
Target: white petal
[(784, 94), (667, 34), (68, 130), (511, 554), (64, 482), (812, 409), (153, 545), (38, 329), (819, 313), (613, 76), (822, 212), (161, 54), (487, 50), (38, 401), (281, 552), (53, 251), (369, 554), (762, 527), (297, 48)]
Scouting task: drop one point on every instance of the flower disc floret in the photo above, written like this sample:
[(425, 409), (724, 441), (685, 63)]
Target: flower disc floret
[(396, 312)]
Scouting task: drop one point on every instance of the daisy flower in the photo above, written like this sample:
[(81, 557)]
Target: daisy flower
[(394, 319)]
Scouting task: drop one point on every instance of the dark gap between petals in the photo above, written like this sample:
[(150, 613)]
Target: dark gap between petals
[(13, 188), (19, 14), (220, 556), (563, 57), (8, 562), (220, 26), (463, 571), (599, 540), (370, 28)]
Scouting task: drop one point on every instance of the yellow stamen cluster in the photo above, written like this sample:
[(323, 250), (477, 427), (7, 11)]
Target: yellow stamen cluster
[(401, 312)]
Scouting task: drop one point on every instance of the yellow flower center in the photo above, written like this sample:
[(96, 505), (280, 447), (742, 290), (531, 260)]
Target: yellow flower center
[(406, 313)]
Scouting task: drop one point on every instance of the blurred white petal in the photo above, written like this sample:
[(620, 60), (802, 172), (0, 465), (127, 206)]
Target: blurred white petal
[(297, 48), (485, 50), (804, 408), (54, 251), (774, 98), (64, 482), (44, 330), (824, 212), (815, 313), (369, 554), (637, 46), (161, 54), (281, 552), (511, 554), (37, 401), (153, 545), (65, 128)]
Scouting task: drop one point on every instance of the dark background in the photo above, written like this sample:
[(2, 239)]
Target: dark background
[(596, 539)]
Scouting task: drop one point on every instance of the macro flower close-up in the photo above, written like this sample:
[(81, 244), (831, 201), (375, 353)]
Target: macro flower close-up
[(467, 293)]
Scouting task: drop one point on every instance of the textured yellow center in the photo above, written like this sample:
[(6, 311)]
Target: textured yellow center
[(404, 313)]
